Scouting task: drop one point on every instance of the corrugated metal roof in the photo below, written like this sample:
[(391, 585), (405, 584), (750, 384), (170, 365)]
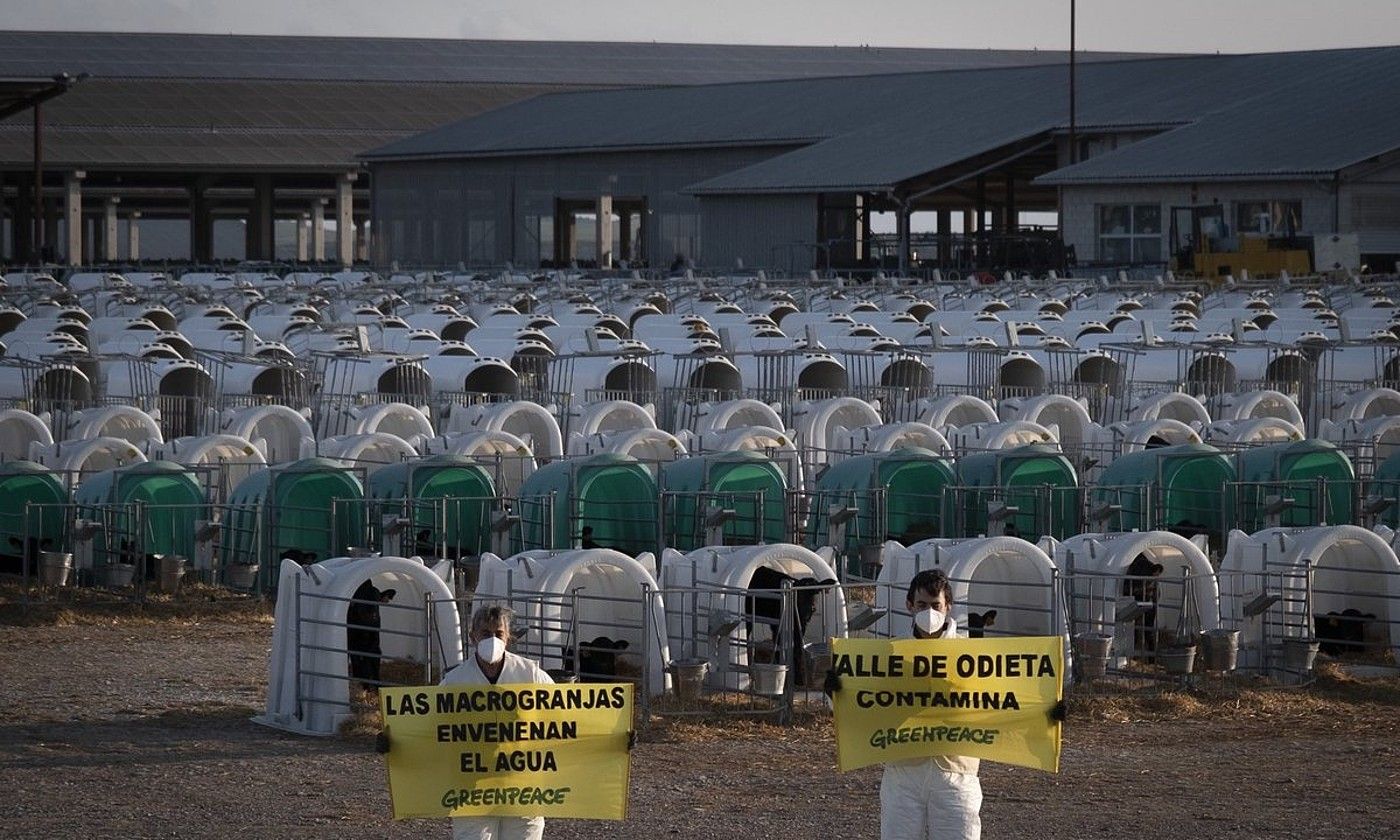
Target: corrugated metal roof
[(573, 63), (1311, 123), (156, 123), (867, 133)]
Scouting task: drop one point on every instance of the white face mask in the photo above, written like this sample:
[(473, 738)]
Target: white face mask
[(929, 621), (490, 650)]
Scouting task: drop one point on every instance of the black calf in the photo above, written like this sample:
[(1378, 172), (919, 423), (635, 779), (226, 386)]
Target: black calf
[(977, 623), (765, 601), (296, 555), (597, 660), (25, 554), (1342, 632), (362, 632), (1142, 587)]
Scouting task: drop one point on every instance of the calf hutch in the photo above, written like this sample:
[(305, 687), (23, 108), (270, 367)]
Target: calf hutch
[(896, 494), (612, 495), (1165, 579), (438, 506), (32, 514), (308, 671), (1185, 488), (290, 511), (593, 612), (1009, 576), (145, 509), (744, 490), (1030, 491), (1319, 570), (718, 597), (1309, 482)]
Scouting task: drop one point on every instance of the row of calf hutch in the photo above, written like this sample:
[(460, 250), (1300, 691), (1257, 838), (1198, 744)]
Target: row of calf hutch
[(605, 615), (460, 505)]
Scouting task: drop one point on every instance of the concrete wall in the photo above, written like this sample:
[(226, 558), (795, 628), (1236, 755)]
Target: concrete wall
[(486, 212)]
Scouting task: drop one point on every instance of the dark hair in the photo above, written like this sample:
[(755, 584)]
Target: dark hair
[(933, 581), (490, 617)]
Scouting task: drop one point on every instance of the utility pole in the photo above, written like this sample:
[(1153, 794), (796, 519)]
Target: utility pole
[(1073, 142)]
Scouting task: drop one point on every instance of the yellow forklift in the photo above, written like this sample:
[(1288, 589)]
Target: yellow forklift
[(1201, 243)]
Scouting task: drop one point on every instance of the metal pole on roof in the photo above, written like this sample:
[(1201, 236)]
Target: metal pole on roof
[(1073, 145), (37, 240)]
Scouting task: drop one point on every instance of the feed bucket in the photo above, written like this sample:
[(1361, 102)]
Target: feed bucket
[(242, 575), (768, 679), (690, 676), (169, 569), (116, 575), (54, 568), (1091, 654), (1220, 649), (1178, 660), (1299, 655)]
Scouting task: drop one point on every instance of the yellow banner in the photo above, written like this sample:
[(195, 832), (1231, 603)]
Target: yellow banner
[(508, 750), (915, 698)]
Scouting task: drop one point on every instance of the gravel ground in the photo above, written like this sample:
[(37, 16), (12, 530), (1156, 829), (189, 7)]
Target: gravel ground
[(142, 731)]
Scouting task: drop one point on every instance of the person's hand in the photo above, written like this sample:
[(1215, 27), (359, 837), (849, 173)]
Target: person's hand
[(832, 683), (631, 740), (1059, 711), (381, 742)]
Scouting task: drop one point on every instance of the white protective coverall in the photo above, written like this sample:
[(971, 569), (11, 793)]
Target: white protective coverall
[(938, 798), (516, 669)]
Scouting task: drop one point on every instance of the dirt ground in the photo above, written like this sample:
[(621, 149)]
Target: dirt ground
[(140, 729)]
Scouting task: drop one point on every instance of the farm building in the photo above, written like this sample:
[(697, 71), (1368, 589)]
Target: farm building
[(208, 147), (945, 168)]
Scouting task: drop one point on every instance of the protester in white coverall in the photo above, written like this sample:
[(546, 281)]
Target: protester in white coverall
[(938, 798), (490, 662)]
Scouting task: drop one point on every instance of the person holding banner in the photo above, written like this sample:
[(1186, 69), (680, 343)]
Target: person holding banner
[(490, 663), (937, 798)]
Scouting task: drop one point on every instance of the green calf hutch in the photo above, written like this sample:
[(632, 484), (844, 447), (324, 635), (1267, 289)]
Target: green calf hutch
[(747, 483), (614, 496), (1304, 483), (450, 499), (1029, 491), (290, 512), (145, 509), (31, 511), (897, 495), (1384, 492), (1185, 489)]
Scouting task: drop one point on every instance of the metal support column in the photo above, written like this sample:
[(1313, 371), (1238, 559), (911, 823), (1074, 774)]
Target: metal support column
[(318, 230), (201, 223), (133, 235), (303, 221), (260, 237), (345, 218), (109, 229), (73, 215), (901, 221), (1012, 222), (604, 231), (37, 238), (362, 240), (945, 238)]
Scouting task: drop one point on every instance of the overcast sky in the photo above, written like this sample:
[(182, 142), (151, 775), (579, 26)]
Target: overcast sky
[(1137, 25)]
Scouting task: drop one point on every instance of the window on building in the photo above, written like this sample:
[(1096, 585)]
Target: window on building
[(1130, 233), (1282, 218)]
